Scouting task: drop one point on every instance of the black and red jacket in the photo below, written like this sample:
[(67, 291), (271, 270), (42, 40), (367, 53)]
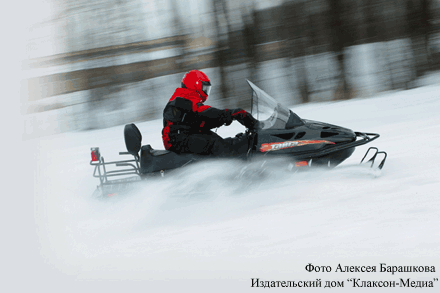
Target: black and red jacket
[(185, 114)]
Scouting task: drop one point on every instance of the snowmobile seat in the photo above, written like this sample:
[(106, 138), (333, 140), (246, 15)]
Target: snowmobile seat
[(159, 152), (133, 139), (159, 160)]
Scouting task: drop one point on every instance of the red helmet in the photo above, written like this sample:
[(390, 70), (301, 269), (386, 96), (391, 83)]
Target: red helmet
[(197, 81)]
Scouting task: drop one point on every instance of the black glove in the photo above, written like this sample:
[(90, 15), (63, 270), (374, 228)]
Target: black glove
[(245, 118), (226, 119)]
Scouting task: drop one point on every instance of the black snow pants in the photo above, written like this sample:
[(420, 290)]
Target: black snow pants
[(210, 143)]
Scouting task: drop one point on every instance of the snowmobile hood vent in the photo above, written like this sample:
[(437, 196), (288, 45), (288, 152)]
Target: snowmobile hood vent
[(285, 136), (325, 134)]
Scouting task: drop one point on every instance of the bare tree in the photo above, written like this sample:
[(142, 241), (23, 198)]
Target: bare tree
[(418, 29), (179, 31), (250, 33), (222, 36), (294, 24), (340, 39)]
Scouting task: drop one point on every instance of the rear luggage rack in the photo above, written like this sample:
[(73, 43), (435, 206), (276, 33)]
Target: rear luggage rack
[(103, 174)]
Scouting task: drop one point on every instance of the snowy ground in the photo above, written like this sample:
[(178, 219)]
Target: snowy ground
[(205, 230)]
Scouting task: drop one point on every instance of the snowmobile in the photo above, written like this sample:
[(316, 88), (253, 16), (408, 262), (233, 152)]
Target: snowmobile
[(279, 132)]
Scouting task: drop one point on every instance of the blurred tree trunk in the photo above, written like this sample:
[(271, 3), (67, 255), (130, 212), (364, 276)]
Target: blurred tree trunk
[(339, 33), (418, 29), (100, 98), (301, 69), (370, 21), (379, 33), (222, 32), (294, 24), (79, 38), (250, 32), (180, 32), (426, 28)]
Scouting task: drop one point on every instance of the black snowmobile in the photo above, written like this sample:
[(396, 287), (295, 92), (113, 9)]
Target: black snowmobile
[(280, 132)]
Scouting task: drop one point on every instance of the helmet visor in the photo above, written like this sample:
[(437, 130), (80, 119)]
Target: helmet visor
[(206, 87)]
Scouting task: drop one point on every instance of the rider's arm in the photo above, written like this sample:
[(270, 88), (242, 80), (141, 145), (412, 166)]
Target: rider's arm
[(212, 117)]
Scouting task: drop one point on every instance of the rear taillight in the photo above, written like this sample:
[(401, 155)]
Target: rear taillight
[(95, 154), (301, 164)]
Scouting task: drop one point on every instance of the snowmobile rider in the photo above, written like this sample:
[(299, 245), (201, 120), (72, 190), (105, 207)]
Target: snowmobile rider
[(188, 122)]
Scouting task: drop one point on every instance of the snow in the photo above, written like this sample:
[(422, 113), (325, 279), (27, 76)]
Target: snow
[(208, 229)]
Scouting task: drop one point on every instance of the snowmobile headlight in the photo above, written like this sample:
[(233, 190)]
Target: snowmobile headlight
[(95, 154)]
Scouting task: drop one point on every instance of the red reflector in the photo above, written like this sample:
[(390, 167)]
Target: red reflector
[(94, 156), (111, 194), (301, 164)]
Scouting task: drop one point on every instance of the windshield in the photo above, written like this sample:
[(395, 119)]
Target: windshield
[(269, 112)]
